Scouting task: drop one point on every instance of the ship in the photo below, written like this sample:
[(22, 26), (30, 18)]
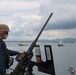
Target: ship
[(60, 43), (22, 44)]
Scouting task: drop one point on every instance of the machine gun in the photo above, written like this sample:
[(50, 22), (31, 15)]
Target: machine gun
[(23, 64)]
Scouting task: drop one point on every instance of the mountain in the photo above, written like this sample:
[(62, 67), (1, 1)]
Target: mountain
[(69, 40), (57, 40), (52, 40)]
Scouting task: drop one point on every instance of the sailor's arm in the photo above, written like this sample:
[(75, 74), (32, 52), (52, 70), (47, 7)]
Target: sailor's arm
[(12, 52)]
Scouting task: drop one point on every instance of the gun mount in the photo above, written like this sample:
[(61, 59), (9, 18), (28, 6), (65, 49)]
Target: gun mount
[(26, 59)]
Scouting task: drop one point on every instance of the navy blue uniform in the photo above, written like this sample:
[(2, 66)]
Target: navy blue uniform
[(2, 62)]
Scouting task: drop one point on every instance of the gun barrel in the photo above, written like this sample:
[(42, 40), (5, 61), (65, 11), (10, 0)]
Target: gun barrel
[(34, 42)]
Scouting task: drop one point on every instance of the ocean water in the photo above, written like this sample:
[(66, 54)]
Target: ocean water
[(64, 56)]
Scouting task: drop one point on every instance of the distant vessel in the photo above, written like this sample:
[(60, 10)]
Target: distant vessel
[(22, 44), (60, 43)]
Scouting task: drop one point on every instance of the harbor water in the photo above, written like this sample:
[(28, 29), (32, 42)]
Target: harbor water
[(64, 56)]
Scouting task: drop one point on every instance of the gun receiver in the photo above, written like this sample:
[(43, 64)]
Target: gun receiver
[(24, 62)]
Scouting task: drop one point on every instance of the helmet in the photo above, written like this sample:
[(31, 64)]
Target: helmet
[(3, 27)]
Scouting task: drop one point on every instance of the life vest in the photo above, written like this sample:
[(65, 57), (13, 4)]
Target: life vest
[(5, 53)]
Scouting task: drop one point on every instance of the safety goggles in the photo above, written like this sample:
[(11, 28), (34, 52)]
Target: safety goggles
[(6, 33)]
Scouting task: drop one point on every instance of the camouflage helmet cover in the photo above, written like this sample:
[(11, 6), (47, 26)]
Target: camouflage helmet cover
[(3, 27)]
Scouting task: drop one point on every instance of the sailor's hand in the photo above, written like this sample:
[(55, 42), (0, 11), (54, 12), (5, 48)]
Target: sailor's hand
[(21, 52), (20, 55)]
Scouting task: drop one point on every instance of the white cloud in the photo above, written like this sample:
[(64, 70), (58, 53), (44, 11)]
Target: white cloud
[(18, 5), (58, 34), (26, 17)]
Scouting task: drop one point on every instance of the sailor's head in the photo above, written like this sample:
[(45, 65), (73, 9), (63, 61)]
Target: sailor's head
[(4, 29)]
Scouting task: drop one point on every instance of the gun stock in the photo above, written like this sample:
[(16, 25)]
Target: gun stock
[(23, 63)]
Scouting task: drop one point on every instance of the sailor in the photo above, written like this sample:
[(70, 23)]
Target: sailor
[(5, 53)]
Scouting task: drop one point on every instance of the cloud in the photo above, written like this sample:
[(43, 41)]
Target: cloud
[(18, 5), (59, 34), (65, 24), (65, 1), (26, 17)]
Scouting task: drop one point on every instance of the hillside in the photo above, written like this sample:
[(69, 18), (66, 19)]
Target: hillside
[(56, 40)]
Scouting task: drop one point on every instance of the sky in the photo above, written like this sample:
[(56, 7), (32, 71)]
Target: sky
[(26, 18)]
